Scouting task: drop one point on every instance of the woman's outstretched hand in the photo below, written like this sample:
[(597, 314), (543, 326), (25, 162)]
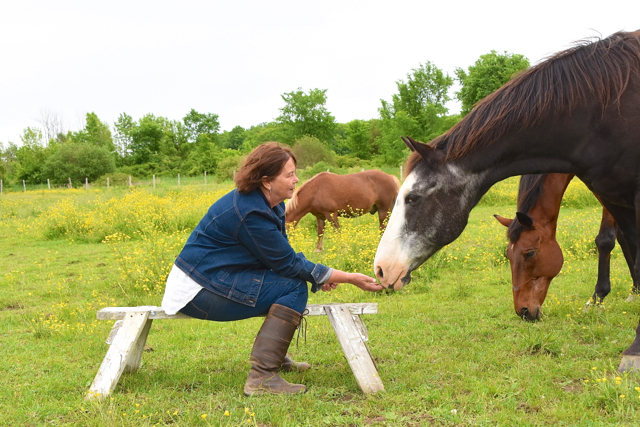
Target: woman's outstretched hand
[(362, 281), (365, 282)]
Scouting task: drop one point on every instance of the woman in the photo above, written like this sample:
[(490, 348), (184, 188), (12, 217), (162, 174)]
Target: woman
[(238, 264)]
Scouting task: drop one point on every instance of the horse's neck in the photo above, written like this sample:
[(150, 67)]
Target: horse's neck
[(547, 207), (521, 154), (297, 209)]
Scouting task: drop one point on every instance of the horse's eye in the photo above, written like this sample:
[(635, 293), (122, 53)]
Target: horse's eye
[(529, 255), (411, 199)]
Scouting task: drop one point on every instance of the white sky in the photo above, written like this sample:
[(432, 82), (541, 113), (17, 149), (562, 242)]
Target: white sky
[(235, 58)]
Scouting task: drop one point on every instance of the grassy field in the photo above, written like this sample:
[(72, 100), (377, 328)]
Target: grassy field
[(449, 348)]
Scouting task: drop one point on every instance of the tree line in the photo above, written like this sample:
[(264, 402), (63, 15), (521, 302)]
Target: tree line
[(152, 145)]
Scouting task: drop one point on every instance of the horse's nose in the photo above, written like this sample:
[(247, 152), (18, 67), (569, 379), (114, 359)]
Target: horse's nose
[(525, 314), (380, 274)]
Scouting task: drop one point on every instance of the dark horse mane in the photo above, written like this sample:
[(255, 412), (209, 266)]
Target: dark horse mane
[(557, 85), (529, 192)]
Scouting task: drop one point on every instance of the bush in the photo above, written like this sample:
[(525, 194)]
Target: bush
[(78, 161), (229, 163), (310, 150)]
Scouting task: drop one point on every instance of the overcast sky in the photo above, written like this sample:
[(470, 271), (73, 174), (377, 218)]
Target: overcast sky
[(235, 58)]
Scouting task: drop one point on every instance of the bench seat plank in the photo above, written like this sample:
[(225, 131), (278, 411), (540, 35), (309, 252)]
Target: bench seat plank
[(118, 313)]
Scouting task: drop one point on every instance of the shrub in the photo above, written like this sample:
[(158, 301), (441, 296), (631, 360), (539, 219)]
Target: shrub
[(78, 161), (310, 150)]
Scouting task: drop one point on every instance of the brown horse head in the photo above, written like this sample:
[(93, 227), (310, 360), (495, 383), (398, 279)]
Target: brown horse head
[(536, 258)]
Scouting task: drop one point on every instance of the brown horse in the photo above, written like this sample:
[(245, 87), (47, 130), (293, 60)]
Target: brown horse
[(327, 196), (533, 251)]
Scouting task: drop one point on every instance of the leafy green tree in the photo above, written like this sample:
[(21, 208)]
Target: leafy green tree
[(31, 156), (122, 136), (4, 164), (78, 161), (146, 139), (306, 114), (235, 138), (418, 110), (359, 139), (202, 158), (8, 160), (338, 143), (256, 135), (489, 73), (198, 124), (95, 133)]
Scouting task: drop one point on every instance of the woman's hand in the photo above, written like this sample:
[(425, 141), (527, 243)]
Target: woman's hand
[(362, 281), (365, 282)]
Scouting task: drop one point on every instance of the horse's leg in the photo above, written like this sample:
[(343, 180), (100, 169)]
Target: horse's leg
[(333, 218), (320, 244), (605, 241), (382, 216), (626, 251), (631, 356)]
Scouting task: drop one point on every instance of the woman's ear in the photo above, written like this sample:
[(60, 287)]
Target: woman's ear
[(266, 183)]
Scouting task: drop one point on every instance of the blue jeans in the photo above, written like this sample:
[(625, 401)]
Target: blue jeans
[(292, 293)]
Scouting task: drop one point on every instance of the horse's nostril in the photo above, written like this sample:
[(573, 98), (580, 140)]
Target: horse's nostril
[(380, 274), (524, 313)]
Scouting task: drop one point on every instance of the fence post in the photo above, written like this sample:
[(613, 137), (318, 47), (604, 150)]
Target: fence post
[(205, 177), (400, 171), (178, 180), (154, 181), (129, 180), (24, 185), (107, 183), (86, 183), (48, 184), (70, 184), (0, 186)]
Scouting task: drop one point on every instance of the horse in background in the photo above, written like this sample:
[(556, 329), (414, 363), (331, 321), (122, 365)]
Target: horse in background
[(533, 251), (328, 196)]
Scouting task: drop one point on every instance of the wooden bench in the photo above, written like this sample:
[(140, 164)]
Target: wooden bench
[(129, 335)]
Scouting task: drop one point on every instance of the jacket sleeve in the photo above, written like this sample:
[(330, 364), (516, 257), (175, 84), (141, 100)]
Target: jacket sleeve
[(261, 235)]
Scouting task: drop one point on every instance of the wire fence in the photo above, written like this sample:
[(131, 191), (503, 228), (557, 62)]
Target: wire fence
[(152, 182)]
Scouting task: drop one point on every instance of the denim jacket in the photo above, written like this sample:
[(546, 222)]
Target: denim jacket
[(238, 239)]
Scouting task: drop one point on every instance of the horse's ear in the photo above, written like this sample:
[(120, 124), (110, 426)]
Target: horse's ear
[(423, 149), (408, 142), (525, 220), (504, 221)]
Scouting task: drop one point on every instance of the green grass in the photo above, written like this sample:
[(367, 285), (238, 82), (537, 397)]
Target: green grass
[(449, 348)]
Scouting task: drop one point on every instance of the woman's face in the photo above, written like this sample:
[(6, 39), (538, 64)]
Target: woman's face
[(284, 184)]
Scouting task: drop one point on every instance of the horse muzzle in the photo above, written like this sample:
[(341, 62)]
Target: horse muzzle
[(529, 315)]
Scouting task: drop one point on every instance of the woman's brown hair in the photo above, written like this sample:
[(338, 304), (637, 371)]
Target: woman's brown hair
[(267, 159)]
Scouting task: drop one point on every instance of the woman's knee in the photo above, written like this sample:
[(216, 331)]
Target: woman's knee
[(297, 296)]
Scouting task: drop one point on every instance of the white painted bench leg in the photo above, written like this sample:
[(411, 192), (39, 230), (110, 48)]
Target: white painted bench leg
[(354, 347), (133, 363), (124, 345)]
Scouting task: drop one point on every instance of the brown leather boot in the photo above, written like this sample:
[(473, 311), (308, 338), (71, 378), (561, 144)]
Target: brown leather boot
[(289, 365), (269, 351)]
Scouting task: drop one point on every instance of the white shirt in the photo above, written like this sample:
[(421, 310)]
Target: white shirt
[(179, 291)]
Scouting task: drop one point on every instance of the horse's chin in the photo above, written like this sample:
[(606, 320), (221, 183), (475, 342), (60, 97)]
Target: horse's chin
[(400, 283)]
